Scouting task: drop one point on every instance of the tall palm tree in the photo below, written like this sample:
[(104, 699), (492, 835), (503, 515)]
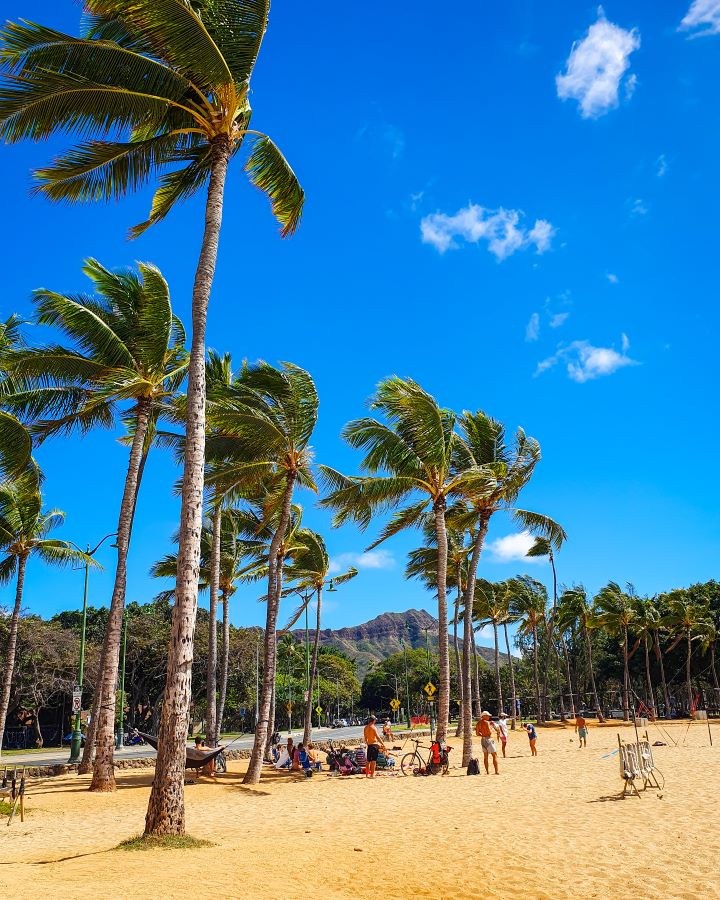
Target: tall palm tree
[(124, 359), (489, 609), (24, 530), (264, 433), (527, 601), (408, 458), (309, 571), (504, 597), (575, 609), (645, 627), (689, 620), (173, 81), (615, 611), (497, 473)]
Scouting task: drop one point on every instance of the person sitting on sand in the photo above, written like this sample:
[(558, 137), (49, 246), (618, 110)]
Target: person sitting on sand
[(374, 745), (502, 732), (484, 730), (532, 735), (286, 755), (387, 731), (313, 757), (581, 728)]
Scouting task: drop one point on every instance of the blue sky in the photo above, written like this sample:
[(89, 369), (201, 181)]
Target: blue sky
[(515, 205)]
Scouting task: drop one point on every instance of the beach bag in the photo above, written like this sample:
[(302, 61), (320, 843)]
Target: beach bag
[(473, 766)]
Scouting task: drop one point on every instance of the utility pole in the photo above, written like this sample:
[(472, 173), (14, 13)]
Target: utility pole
[(407, 684)]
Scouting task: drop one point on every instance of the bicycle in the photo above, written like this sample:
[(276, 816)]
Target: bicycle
[(220, 763), (413, 764)]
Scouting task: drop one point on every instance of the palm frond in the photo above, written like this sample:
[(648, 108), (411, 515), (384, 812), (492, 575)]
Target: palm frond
[(268, 170)]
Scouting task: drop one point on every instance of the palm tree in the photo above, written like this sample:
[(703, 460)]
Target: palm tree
[(615, 611), (414, 447), (174, 81), (24, 530), (504, 597), (309, 572), (527, 601), (645, 627), (264, 431), (490, 609), (574, 609), (496, 473), (124, 359), (544, 548), (689, 619)]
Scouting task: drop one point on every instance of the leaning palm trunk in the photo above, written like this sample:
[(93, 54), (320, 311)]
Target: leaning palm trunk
[(591, 672), (103, 772), (313, 666), (224, 663), (661, 665), (536, 675), (469, 643), (166, 808), (688, 681), (648, 678), (88, 757), (498, 682), (11, 647), (626, 678), (458, 666), (262, 729), (443, 648), (476, 700), (513, 711), (211, 684)]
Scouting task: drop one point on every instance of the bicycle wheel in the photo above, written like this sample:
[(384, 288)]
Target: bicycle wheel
[(411, 764)]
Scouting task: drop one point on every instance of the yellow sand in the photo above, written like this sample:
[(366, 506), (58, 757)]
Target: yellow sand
[(548, 827)]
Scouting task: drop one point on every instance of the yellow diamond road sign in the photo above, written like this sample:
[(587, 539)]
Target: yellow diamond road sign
[(288, 707), (395, 704), (430, 689), (318, 709)]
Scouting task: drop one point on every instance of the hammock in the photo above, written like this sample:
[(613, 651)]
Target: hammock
[(194, 759)]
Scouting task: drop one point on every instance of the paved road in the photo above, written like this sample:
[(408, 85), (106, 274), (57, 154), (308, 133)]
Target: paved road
[(56, 756)]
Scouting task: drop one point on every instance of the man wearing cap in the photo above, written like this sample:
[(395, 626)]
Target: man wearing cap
[(484, 730)]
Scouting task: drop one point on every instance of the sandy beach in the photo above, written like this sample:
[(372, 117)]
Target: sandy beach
[(549, 827)]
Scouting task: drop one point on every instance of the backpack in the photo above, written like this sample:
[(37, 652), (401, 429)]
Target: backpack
[(473, 766)]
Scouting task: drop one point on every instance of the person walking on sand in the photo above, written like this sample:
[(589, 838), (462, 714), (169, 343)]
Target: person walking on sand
[(484, 729), (374, 745), (501, 729), (581, 728), (532, 735)]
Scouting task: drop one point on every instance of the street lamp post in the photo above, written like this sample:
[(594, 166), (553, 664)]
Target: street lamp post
[(121, 724), (76, 744), (407, 685)]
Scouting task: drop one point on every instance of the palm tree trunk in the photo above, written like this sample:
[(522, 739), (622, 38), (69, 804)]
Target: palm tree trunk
[(166, 806), (211, 727), (456, 646), (476, 699), (513, 711), (566, 658), (262, 729), (225, 660), (498, 682), (443, 712), (626, 678), (661, 664), (469, 642), (648, 678), (536, 675), (313, 664), (716, 684), (550, 637), (591, 672), (88, 758), (103, 772), (687, 673), (11, 646)]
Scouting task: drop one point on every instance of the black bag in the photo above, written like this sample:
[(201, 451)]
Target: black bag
[(473, 766)]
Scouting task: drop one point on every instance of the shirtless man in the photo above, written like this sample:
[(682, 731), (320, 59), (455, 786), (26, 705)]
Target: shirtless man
[(374, 745), (581, 728), (484, 730)]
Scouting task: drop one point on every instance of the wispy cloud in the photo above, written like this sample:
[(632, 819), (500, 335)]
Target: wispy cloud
[(512, 547), (613, 279), (661, 165), (371, 559), (596, 67), (638, 207), (702, 19), (532, 329), (501, 228), (558, 319), (387, 138), (585, 362)]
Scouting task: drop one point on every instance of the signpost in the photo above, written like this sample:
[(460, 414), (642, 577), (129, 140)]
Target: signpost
[(77, 699), (430, 690), (395, 704)]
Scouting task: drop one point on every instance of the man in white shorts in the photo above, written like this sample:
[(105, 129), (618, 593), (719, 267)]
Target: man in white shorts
[(484, 730)]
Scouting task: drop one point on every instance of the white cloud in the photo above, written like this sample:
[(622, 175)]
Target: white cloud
[(703, 18), (532, 329), (586, 362), (558, 319), (596, 67), (661, 166), (512, 547), (371, 559), (501, 228), (613, 279), (638, 207)]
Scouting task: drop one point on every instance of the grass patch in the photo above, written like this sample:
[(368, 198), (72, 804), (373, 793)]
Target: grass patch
[(163, 842), (5, 808)]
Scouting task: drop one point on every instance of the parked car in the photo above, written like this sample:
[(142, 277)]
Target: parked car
[(340, 723)]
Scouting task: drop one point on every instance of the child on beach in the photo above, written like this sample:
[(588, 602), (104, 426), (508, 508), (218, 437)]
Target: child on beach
[(581, 728), (532, 735)]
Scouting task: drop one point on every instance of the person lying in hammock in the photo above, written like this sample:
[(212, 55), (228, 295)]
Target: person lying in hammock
[(209, 767)]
